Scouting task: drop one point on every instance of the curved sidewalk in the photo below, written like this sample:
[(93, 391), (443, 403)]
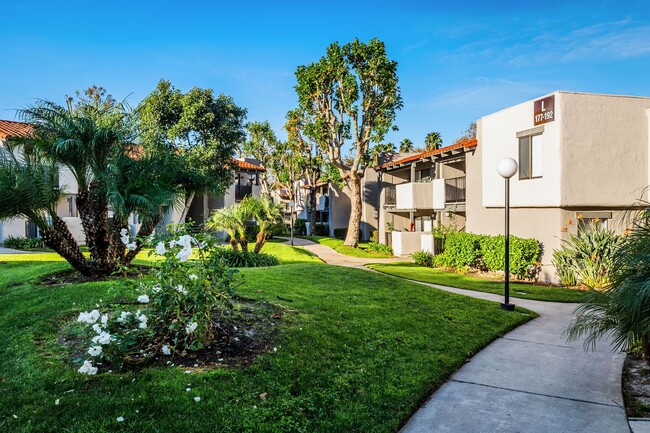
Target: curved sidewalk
[(528, 381)]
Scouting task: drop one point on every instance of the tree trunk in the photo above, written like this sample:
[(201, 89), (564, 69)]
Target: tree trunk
[(354, 225), (645, 343), (233, 243), (145, 230), (59, 238), (243, 242), (93, 211), (312, 214), (260, 241), (186, 208)]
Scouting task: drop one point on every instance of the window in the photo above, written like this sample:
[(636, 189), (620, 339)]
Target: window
[(592, 220), (530, 156), (423, 175)]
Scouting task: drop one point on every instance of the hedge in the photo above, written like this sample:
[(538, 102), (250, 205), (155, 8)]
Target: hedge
[(487, 253)]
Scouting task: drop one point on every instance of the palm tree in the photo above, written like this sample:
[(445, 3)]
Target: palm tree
[(265, 213), (624, 307), (433, 141), (406, 145), (226, 219)]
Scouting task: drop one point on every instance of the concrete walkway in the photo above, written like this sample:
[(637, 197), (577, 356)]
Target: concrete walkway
[(528, 381), (4, 250)]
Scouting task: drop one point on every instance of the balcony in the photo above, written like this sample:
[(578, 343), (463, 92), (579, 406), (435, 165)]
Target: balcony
[(455, 190), (414, 195)]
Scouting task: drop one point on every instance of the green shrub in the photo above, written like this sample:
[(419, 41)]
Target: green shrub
[(565, 267), (340, 233), (374, 236), (22, 243), (321, 230), (300, 226), (376, 247), (278, 229), (239, 259), (462, 249), (590, 255), (524, 255), (423, 258)]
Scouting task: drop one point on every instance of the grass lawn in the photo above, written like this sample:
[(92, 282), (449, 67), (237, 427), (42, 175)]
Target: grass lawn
[(517, 290), (362, 353), (337, 245)]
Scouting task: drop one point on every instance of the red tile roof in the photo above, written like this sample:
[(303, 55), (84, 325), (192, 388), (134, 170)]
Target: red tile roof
[(9, 129), (245, 165), (464, 144)]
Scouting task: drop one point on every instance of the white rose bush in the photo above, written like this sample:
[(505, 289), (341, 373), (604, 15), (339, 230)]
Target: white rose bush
[(175, 310)]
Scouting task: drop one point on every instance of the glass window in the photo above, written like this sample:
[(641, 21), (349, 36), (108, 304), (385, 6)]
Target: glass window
[(423, 175), (530, 156)]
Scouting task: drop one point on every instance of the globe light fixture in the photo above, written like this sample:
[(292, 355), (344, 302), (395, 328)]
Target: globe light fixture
[(507, 168)]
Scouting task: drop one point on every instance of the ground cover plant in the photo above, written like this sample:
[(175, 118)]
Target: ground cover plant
[(23, 243), (413, 271), (346, 358), (361, 250)]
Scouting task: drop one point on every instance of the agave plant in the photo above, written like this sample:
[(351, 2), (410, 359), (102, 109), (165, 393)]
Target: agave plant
[(588, 256), (623, 308)]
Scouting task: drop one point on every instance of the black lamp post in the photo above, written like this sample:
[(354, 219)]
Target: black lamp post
[(507, 168)]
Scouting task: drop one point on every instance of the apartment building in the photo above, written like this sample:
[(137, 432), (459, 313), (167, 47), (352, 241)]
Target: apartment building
[(420, 191), (583, 159), (67, 208)]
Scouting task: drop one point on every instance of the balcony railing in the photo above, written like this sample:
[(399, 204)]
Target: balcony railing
[(242, 191), (455, 190), (390, 197)]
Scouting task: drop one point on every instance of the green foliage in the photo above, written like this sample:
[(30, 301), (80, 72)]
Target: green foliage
[(406, 145), (240, 259), (374, 236), (340, 233), (589, 256), (622, 307), (278, 229), (565, 267), (423, 258), (203, 128), (487, 252), (524, 254), (22, 243), (376, 247), (300, 226), (462, 249), (321, 230), (351, 93), (433, 141)]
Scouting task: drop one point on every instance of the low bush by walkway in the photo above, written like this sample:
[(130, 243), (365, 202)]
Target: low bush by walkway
[(337, 245), (536, 292), (359, 354)]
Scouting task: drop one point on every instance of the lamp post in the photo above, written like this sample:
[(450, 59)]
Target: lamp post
[(507, 168)]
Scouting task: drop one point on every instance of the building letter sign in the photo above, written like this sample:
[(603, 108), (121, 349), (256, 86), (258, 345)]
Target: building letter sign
[(544, 110)]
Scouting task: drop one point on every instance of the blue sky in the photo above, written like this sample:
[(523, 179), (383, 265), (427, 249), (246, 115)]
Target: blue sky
[(458, 60)]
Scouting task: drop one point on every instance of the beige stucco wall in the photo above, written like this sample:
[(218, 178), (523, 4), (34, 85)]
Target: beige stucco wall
[(604, 149)]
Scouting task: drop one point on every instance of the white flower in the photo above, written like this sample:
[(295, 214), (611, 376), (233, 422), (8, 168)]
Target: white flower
[(143, 299), (165, 350), (123, 316), (95, 350), (104, 319), (160, 249), (184, 254), (156, 288), (143, 320), (172, 243), (191, 327), (88, 318), (193, 277), (188, 389), (97, 328), (57, 402), (120, 419), (181, 289), (186, 241), (103, 338), (132, 246), (124, 236), (88, 368), (197, 399)]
